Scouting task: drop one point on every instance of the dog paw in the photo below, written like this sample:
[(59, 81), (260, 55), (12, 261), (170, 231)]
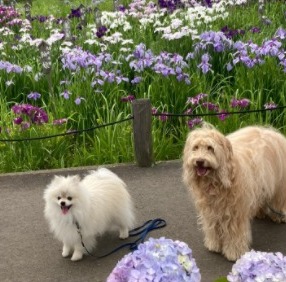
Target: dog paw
[(65, 254), (66, 251), (234, 254), (213, 246), (123, 234), (76, 256), (276, 214), (232, 257), (278, 218)]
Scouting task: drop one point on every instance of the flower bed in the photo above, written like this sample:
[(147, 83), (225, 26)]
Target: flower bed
[(187, 57)]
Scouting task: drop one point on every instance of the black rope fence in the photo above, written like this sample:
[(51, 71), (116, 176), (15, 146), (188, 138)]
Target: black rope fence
[(219, 113), (74, 132)]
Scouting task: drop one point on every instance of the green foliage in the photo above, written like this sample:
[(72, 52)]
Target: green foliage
[(101, 104)]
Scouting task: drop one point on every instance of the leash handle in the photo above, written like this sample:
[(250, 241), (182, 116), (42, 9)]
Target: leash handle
[(148, 226), (143, 230)]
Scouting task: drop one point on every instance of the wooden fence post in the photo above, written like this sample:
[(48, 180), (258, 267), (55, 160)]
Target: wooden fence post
[(142, 130)]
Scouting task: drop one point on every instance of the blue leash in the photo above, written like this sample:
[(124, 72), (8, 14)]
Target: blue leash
[(143, 231)]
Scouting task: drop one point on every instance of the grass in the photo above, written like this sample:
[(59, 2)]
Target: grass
[(58, 8)]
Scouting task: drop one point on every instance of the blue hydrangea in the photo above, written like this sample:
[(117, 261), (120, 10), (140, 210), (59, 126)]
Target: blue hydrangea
[(157, 260), (259, 267)]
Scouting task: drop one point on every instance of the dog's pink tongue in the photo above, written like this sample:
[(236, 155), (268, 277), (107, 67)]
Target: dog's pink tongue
[(201, 171), (65, 210)]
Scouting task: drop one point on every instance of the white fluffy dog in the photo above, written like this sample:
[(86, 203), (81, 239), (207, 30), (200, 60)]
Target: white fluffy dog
[(233, 179), (98, 203)]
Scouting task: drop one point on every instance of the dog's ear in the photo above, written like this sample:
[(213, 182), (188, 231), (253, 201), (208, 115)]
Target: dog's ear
[(226, 173), (188, 144), (187, 152), (228, 149)]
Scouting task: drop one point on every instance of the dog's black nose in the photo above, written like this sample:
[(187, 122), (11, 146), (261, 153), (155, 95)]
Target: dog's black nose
[(200, 163), (63, 204)]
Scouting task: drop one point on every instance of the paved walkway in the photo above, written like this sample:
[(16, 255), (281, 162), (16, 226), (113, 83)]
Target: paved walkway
[(29, 253)]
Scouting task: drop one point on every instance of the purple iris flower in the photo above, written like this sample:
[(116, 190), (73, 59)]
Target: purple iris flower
[(121, 8), (35, 114), (66, 94), (193, 122), (78, 100), (34, 96), (204, 65), (208, 3), (170, 5), (18, 120), (10, 68), (210, 106), (40, 116), (255, 30), (239, 103), (223, 115), (101, 31), (196, 99), (128, 98), (75, 13), (136, 80), (271, 47), (280, 33)]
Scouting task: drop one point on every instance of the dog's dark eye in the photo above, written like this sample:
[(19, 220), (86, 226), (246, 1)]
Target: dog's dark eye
[(210, 148), (195, 148), (59, 198), (69, 198)]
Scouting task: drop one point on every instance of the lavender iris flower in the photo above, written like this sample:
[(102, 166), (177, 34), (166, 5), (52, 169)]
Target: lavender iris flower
[(136, 80), (78, 100), (280, 33), (271, 47), (8, 67), (34, 96), (205, 66), (66, 94)]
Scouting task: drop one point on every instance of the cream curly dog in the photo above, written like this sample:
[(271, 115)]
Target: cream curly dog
[(233, 179)]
